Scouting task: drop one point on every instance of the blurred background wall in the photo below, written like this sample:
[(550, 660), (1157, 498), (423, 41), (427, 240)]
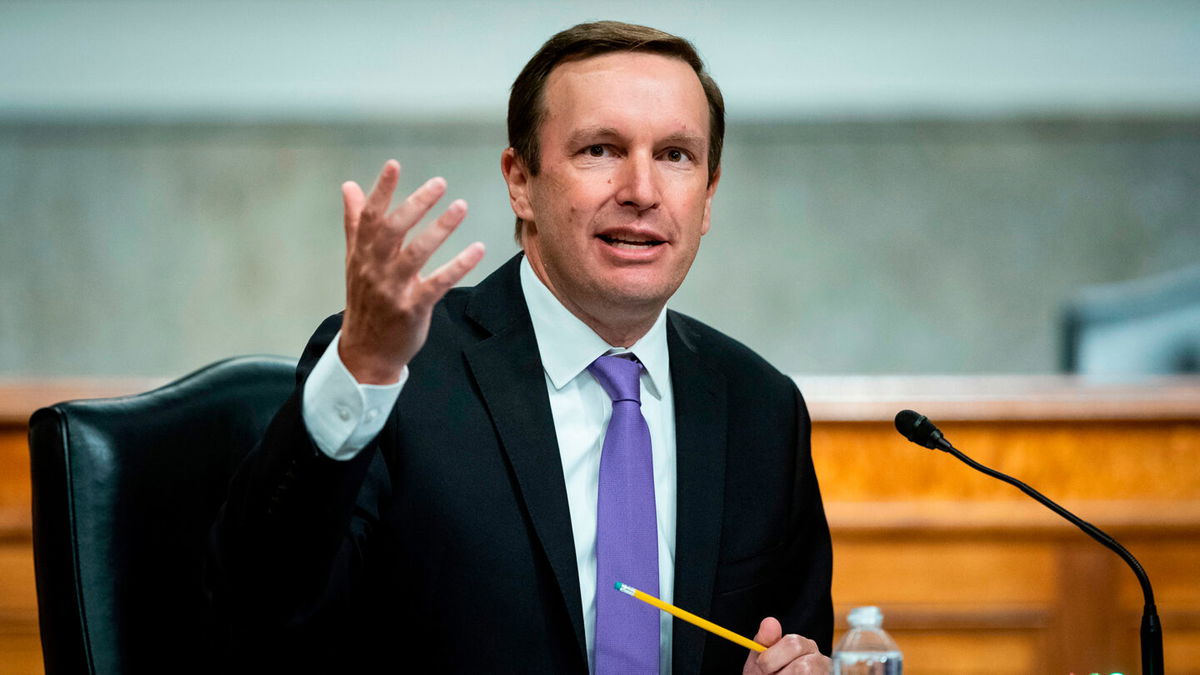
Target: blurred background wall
[(908, 186)]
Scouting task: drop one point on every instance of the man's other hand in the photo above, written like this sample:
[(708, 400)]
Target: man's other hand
[(388, 302), (785, 653)]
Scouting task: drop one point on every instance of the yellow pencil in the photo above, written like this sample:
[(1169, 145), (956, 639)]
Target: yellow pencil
[(690, 618)]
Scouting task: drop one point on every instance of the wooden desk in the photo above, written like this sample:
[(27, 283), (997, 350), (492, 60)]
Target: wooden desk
[(973, 577)]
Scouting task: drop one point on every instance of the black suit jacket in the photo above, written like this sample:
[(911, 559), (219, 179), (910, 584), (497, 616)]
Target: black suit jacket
[(447, 542)]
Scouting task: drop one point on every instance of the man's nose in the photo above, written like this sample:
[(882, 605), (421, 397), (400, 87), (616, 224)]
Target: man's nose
[(638, 183)]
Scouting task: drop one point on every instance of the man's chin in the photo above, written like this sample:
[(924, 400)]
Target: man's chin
[(638, 297)]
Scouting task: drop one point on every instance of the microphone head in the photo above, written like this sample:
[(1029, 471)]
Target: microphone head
[(917, 428)]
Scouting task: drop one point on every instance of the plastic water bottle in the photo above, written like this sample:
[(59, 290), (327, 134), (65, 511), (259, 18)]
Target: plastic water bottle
[(867, 649)]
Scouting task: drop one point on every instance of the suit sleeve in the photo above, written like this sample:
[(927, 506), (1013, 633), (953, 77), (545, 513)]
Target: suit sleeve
[(290, 541), (811, 612)]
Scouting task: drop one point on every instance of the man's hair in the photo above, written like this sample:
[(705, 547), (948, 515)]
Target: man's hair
[(526, 109)]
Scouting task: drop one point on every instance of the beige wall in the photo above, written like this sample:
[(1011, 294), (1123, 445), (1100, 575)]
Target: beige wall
[(869, 246)]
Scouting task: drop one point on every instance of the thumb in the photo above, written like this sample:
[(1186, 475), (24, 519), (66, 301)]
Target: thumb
[(769, 632)]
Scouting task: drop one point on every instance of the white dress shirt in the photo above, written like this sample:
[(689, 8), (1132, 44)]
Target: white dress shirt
[(342, 416)]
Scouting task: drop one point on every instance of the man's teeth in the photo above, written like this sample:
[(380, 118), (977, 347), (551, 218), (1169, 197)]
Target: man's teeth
[(627, 243)]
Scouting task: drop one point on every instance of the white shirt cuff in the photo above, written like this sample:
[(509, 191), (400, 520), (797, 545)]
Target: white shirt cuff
[(341, 415)]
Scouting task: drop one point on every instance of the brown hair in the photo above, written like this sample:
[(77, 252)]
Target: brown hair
[(525, 107)]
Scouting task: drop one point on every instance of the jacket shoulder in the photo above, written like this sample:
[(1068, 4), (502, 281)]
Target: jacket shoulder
[(723, 353)]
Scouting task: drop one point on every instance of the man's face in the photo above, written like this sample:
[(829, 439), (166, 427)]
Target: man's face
[(614, 218)]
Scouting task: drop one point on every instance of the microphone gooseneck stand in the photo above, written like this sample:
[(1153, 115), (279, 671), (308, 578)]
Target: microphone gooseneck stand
[(918, 429)]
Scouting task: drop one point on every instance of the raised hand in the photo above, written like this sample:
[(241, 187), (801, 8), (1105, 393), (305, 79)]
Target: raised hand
[(388, 302)]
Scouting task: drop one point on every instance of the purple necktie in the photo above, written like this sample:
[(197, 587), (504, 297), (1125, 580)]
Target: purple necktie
[(626, 529)]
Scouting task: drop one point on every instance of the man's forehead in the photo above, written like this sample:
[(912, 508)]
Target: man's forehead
[(631, 85), (625, 64)]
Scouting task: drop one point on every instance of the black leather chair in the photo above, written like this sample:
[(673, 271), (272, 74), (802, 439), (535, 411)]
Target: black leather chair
[(124, 493)]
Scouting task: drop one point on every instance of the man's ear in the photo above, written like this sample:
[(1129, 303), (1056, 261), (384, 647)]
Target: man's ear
[(712, 190), (516, 174)]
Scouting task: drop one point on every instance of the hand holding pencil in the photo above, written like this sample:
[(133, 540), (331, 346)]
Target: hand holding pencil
[(789, 653), (771, 650)]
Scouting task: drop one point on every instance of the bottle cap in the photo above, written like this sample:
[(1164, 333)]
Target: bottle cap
[(866, 617)]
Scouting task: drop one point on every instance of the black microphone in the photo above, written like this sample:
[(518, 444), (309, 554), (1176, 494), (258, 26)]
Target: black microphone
[(917, 428)]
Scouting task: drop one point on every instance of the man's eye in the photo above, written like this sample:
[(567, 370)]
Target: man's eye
[(596, 150), (675, 156)]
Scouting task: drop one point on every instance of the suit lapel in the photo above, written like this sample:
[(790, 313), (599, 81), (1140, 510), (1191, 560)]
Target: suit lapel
[(508, 370), (700, 449)]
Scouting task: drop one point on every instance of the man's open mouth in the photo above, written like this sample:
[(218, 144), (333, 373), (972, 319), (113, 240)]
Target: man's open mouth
[(629, 243)]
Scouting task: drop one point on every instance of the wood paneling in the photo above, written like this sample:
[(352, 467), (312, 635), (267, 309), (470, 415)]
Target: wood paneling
[(973, 576), (1072, 460), (945, 574), (20, 649), (960, 652)]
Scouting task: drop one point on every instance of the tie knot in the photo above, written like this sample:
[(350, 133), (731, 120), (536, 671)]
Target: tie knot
[(620, 378)]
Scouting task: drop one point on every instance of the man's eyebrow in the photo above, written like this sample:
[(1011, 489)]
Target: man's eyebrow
[(685, 139), (586, 134), (590, 134)]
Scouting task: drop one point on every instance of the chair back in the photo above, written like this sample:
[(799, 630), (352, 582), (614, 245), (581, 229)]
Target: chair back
[(124, 493), (1148, 326)]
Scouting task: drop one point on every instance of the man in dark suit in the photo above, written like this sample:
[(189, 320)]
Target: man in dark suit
[(433, 496)]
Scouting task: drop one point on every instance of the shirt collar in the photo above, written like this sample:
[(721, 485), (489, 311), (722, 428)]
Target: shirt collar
[(568, 346)]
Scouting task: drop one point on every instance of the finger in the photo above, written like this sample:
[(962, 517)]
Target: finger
[(386, 238), (376, 206), (787, 649), (385, 241), (352, 205), (446, 276), (807, 665), (418, 251), (416, 205)]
